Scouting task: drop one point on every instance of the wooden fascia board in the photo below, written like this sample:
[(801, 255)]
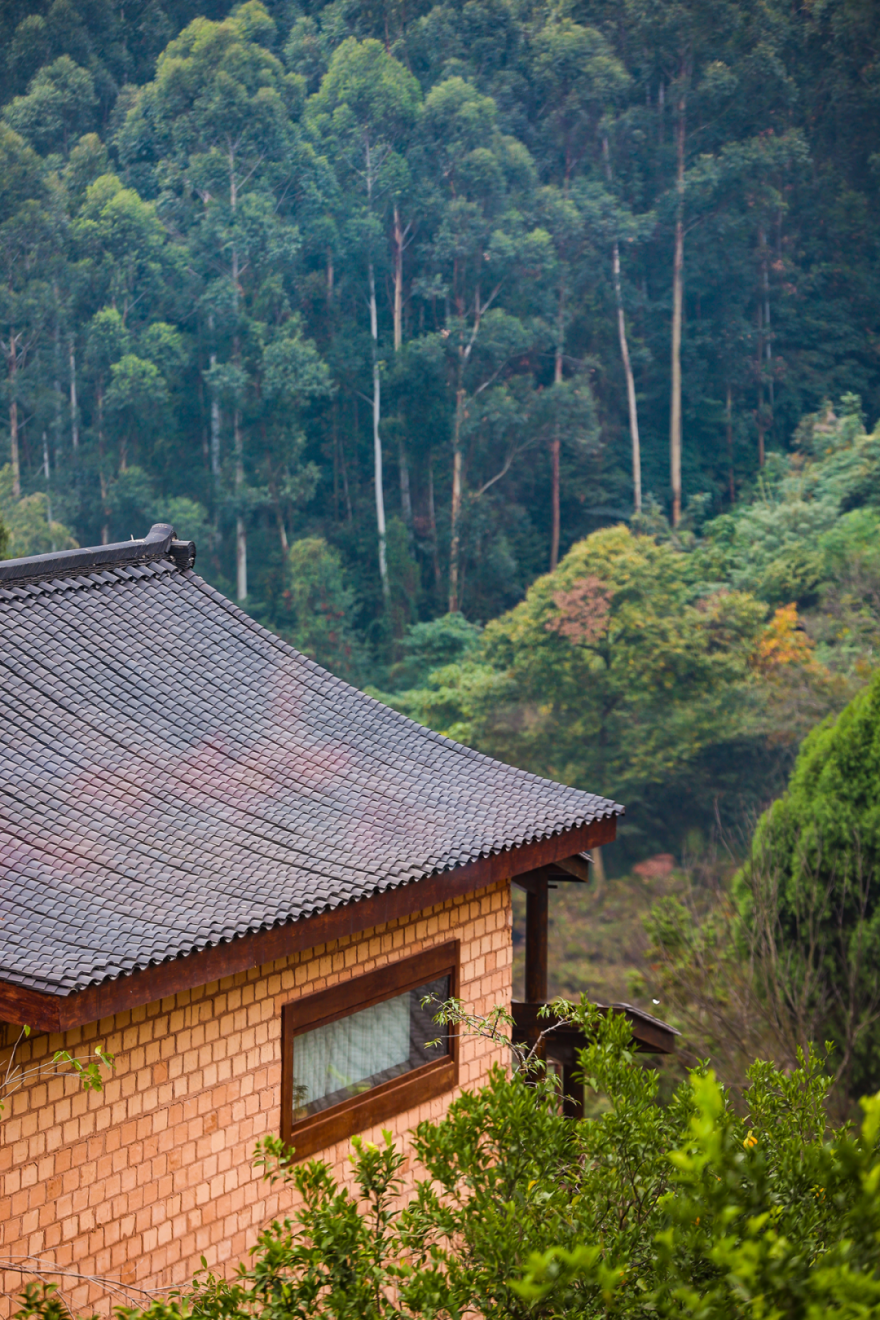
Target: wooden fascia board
[(46, 1012)]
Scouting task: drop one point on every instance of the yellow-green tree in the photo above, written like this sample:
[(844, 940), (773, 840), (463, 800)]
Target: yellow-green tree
[(616, 671)]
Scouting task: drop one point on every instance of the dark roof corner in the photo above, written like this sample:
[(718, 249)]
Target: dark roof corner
[(183, 553), (160, 542)]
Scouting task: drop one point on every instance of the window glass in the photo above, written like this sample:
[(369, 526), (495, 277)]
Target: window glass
[(348, 1057)]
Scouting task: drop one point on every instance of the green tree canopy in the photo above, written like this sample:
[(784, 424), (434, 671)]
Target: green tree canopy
[(811, 885)]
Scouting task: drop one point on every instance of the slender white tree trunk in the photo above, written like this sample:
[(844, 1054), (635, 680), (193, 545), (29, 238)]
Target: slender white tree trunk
[(377, 438), (74, 412), (457, 474), (555, 445), (215, 428), (13, 416), (241, 582), (403, 463), (624, 353), (677, 301), (630, 386)]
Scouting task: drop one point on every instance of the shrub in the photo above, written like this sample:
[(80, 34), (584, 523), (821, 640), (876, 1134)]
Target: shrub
[(641, 1209)]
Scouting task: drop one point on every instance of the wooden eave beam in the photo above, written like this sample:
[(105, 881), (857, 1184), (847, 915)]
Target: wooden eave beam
[(578, 867), (48, 1012), (651, 1035)]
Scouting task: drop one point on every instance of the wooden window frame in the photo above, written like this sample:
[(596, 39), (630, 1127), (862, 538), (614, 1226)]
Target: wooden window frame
[(318, 1131)]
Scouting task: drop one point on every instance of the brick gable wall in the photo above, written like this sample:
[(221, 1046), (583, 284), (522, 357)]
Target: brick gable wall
[(138, 1182)]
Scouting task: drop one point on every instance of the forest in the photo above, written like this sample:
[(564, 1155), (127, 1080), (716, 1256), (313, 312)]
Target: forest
[(396, 309), (518, 361)]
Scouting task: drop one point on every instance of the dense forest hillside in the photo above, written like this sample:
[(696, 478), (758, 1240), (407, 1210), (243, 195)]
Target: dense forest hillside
[(394, 308)]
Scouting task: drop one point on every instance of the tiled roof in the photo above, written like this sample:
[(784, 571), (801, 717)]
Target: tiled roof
[(172, 775)]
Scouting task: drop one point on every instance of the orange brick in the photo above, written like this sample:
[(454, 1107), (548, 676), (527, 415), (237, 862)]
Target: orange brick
[(135, 1183)]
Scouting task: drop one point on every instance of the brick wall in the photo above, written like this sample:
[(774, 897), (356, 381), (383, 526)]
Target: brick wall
[(138, 1182)]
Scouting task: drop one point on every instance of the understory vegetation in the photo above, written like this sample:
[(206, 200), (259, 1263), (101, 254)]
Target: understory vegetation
[(678, 670)]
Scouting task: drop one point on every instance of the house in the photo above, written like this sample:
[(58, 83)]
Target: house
[(241, 877)]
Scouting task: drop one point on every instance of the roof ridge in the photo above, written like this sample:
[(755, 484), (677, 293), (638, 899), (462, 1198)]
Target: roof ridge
[(160, 543)]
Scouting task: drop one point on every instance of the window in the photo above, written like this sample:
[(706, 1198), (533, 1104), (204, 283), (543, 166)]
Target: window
[(363, 1051)]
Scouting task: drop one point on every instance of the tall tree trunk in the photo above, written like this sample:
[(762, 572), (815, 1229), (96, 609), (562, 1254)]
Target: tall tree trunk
[(398, 280), (729, 417), (402, 460), (46, 472), (768, 341), (405, 495), (432, 525), (630, 386), (554, 480), (457, 465), (56, 353), (74, 412), (241, 582), (339, 448), (215, 415), (677, 299), (102, 473), (759, 411), (13, 416), (759, 362), (282, 532), (624, 353), (377, 438), (556, 441), (333, 432), (215, 428)]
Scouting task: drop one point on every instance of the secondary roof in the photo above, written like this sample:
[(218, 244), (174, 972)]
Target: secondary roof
[(173, 775)]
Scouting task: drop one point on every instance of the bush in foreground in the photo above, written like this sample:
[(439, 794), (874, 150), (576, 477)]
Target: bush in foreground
[(642, 1209)]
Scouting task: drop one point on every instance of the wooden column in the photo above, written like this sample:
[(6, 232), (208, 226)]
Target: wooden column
[(537, 913), (572, 1091)]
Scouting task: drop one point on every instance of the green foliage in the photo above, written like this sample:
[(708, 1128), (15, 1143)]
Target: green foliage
[(640, 1208), (317, 606), (430, 646), (189, 520), (27, 527), (810, 881), (58, 108), (86, 1069), (203, 169), (230, 233), (610, 672), (779, 1220)]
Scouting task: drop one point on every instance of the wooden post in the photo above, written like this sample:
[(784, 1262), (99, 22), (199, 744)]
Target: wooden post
[(537, 917), (572, 1092), (537, 911)]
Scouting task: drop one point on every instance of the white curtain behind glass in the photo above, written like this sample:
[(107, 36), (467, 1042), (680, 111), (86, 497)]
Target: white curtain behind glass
[(346, 1055)]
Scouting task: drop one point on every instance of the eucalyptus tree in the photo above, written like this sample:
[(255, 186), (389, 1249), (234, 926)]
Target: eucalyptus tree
[(29, 224), (577, 80), (367, 106), (218, 126), (59, 106), (483, 252)]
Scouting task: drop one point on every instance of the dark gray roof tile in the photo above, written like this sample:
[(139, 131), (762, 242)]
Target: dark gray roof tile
[(173, 775)]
